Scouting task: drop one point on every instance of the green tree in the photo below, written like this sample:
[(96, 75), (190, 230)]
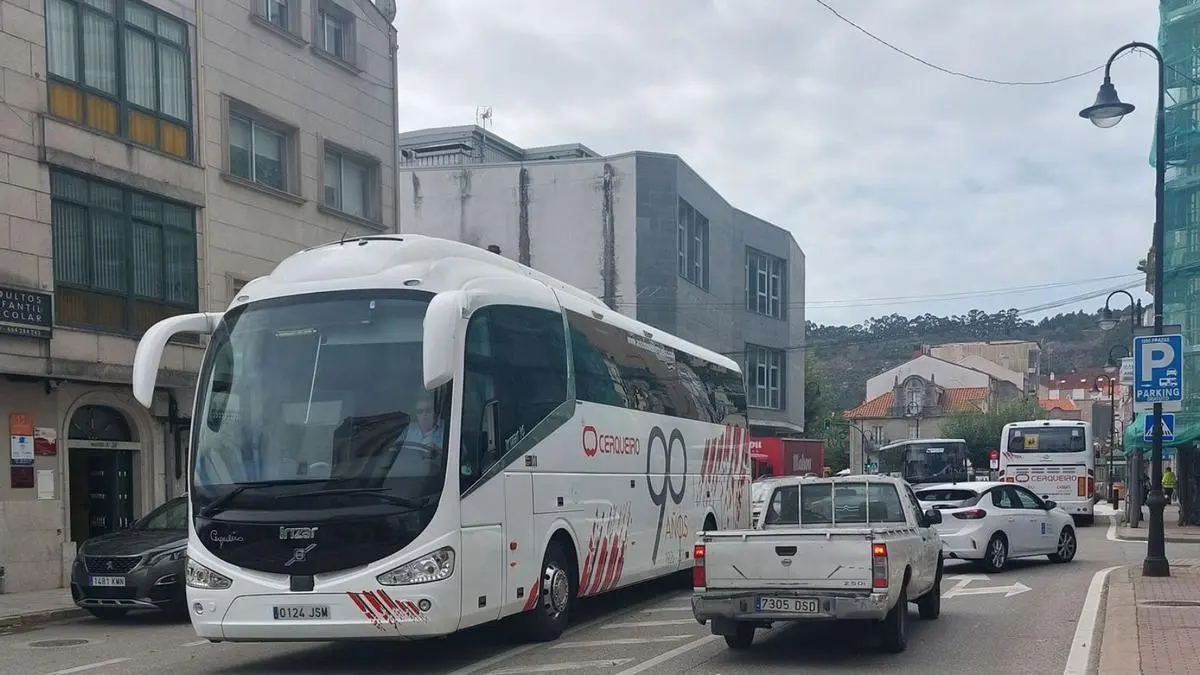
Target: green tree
[(981, 430), (816, 403)]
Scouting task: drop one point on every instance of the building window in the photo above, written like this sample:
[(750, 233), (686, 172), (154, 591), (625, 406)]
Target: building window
[(276, 12), (765, 275), (259, 149), (764, 375), (877, 435), (334, 29), (123, 260), (693, 245), (122, 68), (349, 184)]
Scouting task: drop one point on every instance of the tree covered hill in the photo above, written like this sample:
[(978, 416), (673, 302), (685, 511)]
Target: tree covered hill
[(849, 355)]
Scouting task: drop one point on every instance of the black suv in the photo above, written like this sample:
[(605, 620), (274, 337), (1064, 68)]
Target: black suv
[(138, 568)]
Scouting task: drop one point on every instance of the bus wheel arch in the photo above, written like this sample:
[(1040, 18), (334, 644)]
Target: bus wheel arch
[(553, 599)]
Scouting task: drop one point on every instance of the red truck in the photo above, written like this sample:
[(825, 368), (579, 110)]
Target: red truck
[(774, 456)]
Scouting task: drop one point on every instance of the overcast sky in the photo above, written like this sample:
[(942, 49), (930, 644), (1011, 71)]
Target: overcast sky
[(897, 180)]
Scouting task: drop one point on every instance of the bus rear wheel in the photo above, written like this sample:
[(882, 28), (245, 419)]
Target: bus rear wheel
[(556, 596)]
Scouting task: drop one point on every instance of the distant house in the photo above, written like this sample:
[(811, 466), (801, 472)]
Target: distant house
[(913, 399), (1061, 409)]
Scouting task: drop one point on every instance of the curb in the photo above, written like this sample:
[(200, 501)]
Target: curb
[(1140, 536), (25, 621)]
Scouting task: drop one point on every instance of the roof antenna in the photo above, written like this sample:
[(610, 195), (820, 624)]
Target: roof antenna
[(344, 233)]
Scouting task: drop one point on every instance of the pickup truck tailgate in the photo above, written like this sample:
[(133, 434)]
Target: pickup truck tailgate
[(828, 558)]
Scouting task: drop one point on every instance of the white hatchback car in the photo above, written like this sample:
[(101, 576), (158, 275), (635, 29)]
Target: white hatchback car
[(993, 522)]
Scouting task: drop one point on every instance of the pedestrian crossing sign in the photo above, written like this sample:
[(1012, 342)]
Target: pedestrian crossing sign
[(1168, 427)]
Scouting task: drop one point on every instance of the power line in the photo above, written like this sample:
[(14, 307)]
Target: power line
[(740, 304), (968, 76)]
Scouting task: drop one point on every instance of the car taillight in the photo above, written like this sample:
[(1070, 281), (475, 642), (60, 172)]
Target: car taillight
[(973, 514), (698, 577), (879, 566)]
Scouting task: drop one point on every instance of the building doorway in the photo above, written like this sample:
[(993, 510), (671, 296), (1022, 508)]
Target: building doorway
[(101, 449)]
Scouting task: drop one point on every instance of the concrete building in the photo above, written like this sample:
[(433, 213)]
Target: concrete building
[(641, 230), (1019, 361), (154, 155)]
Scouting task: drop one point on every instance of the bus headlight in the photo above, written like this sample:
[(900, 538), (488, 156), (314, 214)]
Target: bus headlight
[(433, 566), (199, 576)]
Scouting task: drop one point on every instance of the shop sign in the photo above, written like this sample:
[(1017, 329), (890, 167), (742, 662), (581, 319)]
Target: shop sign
[(25, 313)]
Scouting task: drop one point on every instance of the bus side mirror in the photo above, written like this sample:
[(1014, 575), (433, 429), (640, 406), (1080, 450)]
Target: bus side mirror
[(441, 345), (150, 348)]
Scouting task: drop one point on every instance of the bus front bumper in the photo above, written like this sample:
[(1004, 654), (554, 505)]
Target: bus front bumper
[(382, 613)]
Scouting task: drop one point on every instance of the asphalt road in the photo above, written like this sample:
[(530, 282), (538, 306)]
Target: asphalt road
[(644, 630)]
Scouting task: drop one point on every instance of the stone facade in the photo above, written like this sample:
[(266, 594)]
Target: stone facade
[(178, 151)]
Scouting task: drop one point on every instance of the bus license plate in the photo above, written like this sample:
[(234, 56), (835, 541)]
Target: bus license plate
[(300, 612), (107, 581), (789, 605)]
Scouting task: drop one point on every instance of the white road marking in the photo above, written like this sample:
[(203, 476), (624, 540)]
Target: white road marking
[(667, 656), (681, 608), (963, 587), (197, 643), (1085, 627), (621, 641), (554, 667), (1112, 535), (90, 666), (517, 651), (647, 624)]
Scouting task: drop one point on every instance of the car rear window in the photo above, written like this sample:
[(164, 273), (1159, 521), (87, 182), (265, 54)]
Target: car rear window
[(827, 504), (947, 495)]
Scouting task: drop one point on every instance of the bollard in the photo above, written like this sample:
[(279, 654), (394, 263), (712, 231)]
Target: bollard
[(1116, 503), (1, 580)]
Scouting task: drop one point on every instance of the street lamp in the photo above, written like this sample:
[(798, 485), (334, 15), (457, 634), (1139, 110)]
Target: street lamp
[(1113, 366), (1106, 112), (1110, 318), (865, 441)]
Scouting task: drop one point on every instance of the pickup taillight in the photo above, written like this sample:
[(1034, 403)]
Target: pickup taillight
[(972, 514), (698, 577), (879, 566)]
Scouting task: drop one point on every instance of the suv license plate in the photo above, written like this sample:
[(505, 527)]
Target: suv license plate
[(107, 581), (789, 605), (300, 612)]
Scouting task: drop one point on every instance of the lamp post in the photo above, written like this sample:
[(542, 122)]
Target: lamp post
[(852, 425), (1106, 112), (1112, 421), (1113, 367), (1109, 319)]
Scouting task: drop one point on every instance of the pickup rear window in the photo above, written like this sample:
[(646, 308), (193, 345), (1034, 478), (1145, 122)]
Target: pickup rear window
[(948, 495), (826, 504)]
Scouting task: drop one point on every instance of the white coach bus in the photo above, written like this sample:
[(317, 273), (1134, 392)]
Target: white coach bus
[(403, 436)]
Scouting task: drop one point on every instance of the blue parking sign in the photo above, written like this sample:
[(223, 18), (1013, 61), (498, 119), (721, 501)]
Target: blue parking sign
[(1158, 371)]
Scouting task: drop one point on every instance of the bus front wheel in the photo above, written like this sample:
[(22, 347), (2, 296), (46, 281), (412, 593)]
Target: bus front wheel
[(548, 619)]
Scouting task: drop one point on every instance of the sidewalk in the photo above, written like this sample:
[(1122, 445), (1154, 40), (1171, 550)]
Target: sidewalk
[(1175, 533), (19, 610), (1151, 625)]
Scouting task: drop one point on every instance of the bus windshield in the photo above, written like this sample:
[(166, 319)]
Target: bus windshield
[(938, 461), (1046, 439), (318, 401)]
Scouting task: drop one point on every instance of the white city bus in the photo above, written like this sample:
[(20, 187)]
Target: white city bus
[(403, 436), (1054, 459)]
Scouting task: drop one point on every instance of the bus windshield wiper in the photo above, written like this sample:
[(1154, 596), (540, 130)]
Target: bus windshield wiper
[(220, 503), (381, 493)]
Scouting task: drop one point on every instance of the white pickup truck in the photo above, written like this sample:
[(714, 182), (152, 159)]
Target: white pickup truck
[(826, 549)]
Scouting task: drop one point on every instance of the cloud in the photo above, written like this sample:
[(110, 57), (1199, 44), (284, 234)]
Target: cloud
[(896, 179)]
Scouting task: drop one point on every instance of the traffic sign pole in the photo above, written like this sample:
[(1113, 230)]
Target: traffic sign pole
[(1158, 380)]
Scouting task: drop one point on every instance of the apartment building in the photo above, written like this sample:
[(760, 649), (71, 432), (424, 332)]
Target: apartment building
[(641, 230), (154, 156)]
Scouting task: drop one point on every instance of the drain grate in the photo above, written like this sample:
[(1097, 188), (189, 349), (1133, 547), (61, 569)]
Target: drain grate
[(1170, 603), (70, 642)]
